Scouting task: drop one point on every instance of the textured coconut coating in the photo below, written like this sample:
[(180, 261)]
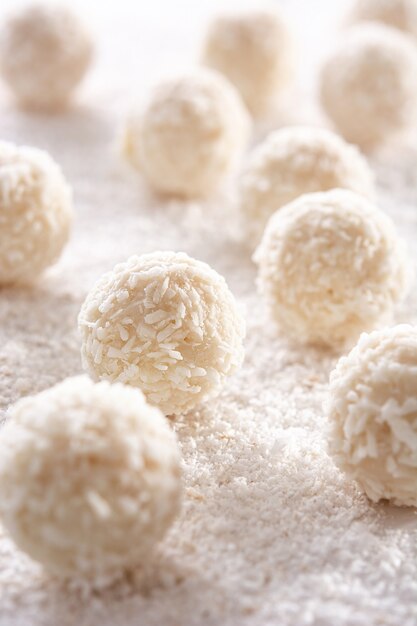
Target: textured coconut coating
[(293, 161), (189, 135), (89, 477), (44, 53), (373, 413), (35, 212), (401, 14), (255, 50), (331, 266), (165, 323), (369, 84)]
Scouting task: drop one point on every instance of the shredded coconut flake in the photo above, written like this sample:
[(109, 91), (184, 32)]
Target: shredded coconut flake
[(373, 413), (197, 314), (35, 212), (293, 161), (331, 266), (89, 478)]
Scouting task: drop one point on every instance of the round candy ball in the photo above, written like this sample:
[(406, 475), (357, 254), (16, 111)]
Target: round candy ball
[(254, 49), (401, 14), (369, 84), (373, 413), (89, 477), (35, 212), (293, 161), (165, 323), (44, 53), (189, 135), (331, 266)]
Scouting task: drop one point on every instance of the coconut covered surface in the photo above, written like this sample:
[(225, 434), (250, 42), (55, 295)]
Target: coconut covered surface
[(373, 414), (293, 161), (271, 531), (35, 212), (165, 323), (331, 266), (106, 468), (44, 53), (190, 135)]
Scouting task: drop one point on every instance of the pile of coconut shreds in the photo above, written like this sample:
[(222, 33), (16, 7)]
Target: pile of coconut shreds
[(271, 533)]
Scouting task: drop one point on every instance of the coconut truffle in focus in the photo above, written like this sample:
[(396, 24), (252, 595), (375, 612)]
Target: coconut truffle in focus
[(400, 14), (89, 477), (254, 49), (189, 135), (330, 267), (373, 413), (35, 212), (44, 53), (165, 323), (293, 161), (369, 84)]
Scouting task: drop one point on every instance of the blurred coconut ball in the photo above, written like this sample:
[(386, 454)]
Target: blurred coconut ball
[(255, 50), (45, 50), (373, 413), (293, 161), (35, 212), (331, 266), (165, 323), (89, 478), (400, 14), (189, 135), (369, 84)]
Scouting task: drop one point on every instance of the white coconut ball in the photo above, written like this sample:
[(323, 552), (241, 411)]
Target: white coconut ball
[(401, 14), (165, 323), (35, 212), (44, 53), (89, 477), (373, 413), (255, 50), (331, 266), (293, 161), (369, 84), (189, 135)]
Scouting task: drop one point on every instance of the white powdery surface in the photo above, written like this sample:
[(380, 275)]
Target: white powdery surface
[(271, 532)]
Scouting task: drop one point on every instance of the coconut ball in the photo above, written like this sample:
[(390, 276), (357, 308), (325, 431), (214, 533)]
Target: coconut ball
[(89, 477), (254, 49), (35, 212), (44, 53), (369, 84), (330, 267), (400, 14), (293, 161), (165, 323), (373, 412), (189, 135)]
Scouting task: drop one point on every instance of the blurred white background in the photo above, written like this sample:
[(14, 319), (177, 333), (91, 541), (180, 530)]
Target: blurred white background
[(161, 36)]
